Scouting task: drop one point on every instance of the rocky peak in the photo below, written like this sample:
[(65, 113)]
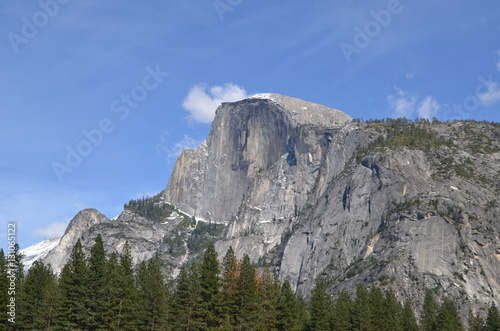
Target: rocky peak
[(305, 112)]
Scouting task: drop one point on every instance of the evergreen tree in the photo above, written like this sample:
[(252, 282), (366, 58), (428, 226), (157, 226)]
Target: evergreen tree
[(287, 309), (182, 307), (4, 290), (152, 296), (408, 320), (209, 308), (320, 306), (97, 298), (303, 316), (37, 298), (475, 322), (341, 318), (71, 311), (269, 290), (123, 293), (229, 291), (377, 311), (393, 312), (361, 313), (249, 306), (448, 318), (492, 318), (429, 312)]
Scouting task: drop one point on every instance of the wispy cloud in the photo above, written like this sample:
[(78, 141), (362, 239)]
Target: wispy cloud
[(202, 100), (403, 103), (173, 151), (55, 229), (492, 95), (498, 60), (428, 108), (408, 104)]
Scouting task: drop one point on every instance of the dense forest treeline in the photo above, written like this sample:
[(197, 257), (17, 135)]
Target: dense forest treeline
[(96, 292)]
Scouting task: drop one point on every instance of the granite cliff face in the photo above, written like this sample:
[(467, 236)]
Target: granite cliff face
[(308, 191)]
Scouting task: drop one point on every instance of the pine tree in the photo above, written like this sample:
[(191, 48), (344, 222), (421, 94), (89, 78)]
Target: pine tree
[(182, 308), (249, 306), (429, 314), (320, 306), (287, 309), (475, 322), (4, 290), (123, 293), (36, 304), (152, 296), (377, 314), (409, 321), (98, 299), (209, 308), (341, 318), (269, 291), (361, 313), (393, 312), (492, 318), (448, 318), (229, 289), (71, 311)]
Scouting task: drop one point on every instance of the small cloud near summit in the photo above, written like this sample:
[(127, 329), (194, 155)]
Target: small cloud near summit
[(202, 100)]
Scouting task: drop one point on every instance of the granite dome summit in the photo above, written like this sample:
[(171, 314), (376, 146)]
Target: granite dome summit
[(307, 191)]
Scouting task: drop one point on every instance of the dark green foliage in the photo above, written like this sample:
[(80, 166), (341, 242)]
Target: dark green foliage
[(288, 311), (447, 318), (97, 298), (320, 306), (429, 314), (341, 318), (152, 208), (362, 318), (475, 322), (492, 319), (408, 319), (269, 293), (229, 289), (209, 306), (97, 293), (72, 313), (152, 296), (248, 299), (182, 314), (4, 289), (37, 298), (203, 235)]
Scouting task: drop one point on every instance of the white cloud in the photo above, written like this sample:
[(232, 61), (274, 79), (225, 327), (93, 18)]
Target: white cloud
[(498, 61), (428, 108), (186, 143), (408, 104), (402, 104), (55, 229), (492, 95), (410, 75), (202, 100)]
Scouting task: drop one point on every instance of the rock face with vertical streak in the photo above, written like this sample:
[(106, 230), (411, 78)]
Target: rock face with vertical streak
[(307, 190)]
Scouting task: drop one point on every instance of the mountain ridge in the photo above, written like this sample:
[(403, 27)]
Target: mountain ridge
[(399, 203)]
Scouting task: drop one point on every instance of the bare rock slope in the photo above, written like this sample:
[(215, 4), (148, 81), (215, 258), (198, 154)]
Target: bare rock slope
[(308, 191)]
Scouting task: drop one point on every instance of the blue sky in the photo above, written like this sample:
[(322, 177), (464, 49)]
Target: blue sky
[(98, 97)]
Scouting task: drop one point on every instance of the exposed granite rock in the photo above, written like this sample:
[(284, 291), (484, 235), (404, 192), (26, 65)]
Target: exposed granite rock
[(302, 188)]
